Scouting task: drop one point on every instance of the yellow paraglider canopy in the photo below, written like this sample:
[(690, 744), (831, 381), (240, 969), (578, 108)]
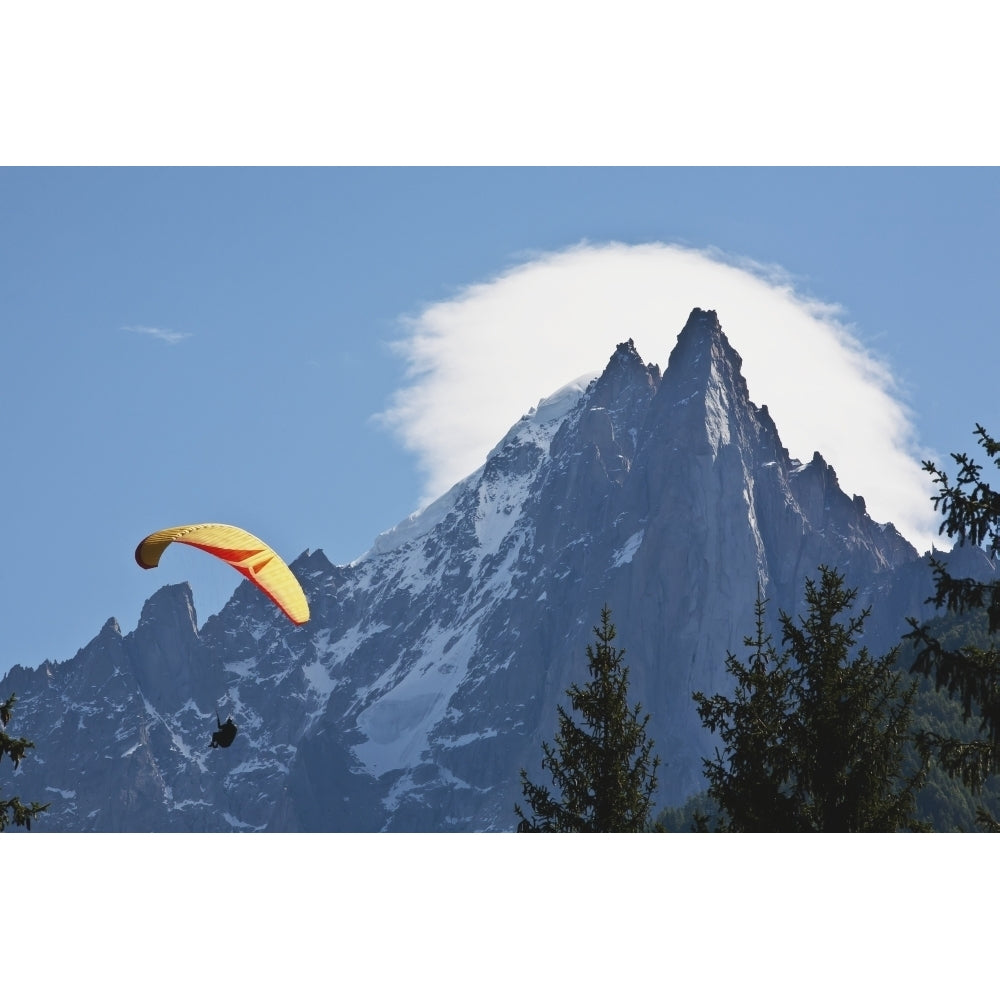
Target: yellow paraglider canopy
[(246, 553)]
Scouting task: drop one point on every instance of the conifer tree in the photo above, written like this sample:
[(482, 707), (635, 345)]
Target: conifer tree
[(813, 740), (13, 810), (751, 780), (971, 511), (603, 767)]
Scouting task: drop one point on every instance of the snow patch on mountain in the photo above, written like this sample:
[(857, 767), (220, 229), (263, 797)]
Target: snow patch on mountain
[(399, 723), (176, 735), (624, 555), (537, 426), (238, 824), (541, 422), (414, 527), (499, 508), (318, 680)]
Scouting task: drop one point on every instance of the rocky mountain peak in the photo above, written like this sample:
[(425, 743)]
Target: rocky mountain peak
[(626, 382), (700, 342), (168, 606), (626, 357), (703, 402), (703, 353)]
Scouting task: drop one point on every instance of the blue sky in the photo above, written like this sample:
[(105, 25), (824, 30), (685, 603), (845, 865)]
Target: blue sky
[(218, 344)]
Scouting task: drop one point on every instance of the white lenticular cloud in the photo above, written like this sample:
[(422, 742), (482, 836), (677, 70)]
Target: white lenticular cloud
[(482, 358)]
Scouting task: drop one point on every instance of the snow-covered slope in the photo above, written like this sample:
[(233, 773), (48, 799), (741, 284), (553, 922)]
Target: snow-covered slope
[(430, 671)]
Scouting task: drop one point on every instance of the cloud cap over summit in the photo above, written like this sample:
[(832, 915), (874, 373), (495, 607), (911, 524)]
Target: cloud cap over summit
[(498, 346)]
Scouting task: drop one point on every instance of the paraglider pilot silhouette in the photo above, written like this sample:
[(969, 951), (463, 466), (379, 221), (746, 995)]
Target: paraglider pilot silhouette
[(225, 734)]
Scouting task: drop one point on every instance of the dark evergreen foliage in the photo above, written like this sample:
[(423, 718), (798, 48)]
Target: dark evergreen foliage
[(603, 769), (943, 803), (971, 673), (750, 782), (13, 810), (813, 740)]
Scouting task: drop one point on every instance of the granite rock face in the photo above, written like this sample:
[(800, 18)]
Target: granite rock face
[(432, 666)]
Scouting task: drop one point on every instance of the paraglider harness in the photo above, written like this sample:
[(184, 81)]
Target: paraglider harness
[(225, 734)]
